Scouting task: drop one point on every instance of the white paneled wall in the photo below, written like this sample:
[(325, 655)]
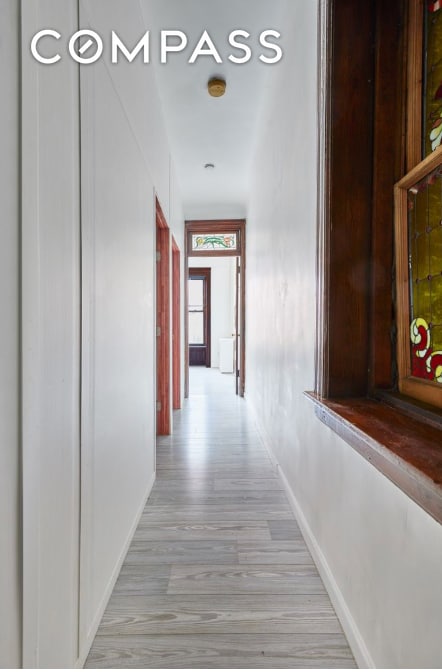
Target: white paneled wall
[(51, 345), (95, 156), (10, 537), (118, 382)]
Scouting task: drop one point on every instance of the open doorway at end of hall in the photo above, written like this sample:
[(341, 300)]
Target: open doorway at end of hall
[(215, 324)]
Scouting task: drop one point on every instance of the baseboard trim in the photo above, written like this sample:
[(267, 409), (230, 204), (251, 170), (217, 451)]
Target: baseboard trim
[(354, 637), (262, 434), (351, 631), (111, 584)]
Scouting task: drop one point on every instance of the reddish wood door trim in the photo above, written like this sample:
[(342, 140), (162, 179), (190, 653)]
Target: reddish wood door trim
[(176, 326), (237, 324), (163, 322)]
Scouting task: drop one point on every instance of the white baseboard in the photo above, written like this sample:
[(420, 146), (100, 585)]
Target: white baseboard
[(85, 648), (354, 637), (352, 633), (262, 434)]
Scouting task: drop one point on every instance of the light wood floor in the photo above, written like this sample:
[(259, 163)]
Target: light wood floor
[(218, 574)]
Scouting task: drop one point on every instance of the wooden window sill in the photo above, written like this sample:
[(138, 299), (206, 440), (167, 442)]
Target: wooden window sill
[(405, 449)]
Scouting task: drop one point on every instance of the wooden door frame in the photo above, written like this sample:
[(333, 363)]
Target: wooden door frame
[(176, 326), (215, 226), (163, 323), (204, 274), (237, 321)]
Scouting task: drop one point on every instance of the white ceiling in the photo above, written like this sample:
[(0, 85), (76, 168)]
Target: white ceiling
[(203, 129)]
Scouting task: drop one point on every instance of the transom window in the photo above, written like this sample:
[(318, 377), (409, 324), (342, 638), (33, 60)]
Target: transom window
[(214, 241)]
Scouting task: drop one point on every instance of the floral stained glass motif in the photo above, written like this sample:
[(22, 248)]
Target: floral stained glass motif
[(432, 89), (219, 241), (425, 268)]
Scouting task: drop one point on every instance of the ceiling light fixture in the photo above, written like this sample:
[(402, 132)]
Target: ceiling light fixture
[(216, 87)]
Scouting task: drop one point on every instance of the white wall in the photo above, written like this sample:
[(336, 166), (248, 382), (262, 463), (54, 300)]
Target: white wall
[(88, 322), (222, 286), (136, 89), (51, 345), (10, 580), (118, 385), (125, 163), (380, 553)]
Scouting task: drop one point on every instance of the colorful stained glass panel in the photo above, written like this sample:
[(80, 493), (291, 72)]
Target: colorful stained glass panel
[(425, 268), (432, 85), (219, 241)]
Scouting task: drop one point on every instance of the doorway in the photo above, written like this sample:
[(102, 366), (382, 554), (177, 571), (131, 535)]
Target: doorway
[(218, 238), (199, 317)]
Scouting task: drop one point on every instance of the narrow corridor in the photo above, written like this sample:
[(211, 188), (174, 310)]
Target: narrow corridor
[(218, 575)]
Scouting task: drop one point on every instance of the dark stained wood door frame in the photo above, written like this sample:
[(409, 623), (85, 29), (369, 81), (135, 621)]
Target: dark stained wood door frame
[(163, 323), (237, 226), (205, 275)]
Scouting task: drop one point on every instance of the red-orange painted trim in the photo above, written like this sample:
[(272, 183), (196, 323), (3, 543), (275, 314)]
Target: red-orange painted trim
[(163, 322), (176, 326)]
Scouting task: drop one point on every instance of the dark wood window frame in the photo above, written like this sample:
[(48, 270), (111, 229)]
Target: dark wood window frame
[(428, 391), (205, 275), (363, 153), (417, 167)]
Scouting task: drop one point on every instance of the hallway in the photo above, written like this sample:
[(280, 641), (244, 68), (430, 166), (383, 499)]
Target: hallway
[(218, 575)]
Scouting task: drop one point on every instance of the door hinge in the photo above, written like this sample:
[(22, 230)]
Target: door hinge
[(158, 332), (158, 405), (158, 255)]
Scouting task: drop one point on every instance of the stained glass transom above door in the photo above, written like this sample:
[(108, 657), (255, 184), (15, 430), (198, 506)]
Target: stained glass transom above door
[(217, 241)]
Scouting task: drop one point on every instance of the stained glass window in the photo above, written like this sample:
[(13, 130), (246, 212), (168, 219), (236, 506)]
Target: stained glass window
[(432, 84), (419, 223), (425, 279), (209, 241)]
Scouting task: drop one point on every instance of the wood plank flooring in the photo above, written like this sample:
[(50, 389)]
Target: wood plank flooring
[(218, 574)]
